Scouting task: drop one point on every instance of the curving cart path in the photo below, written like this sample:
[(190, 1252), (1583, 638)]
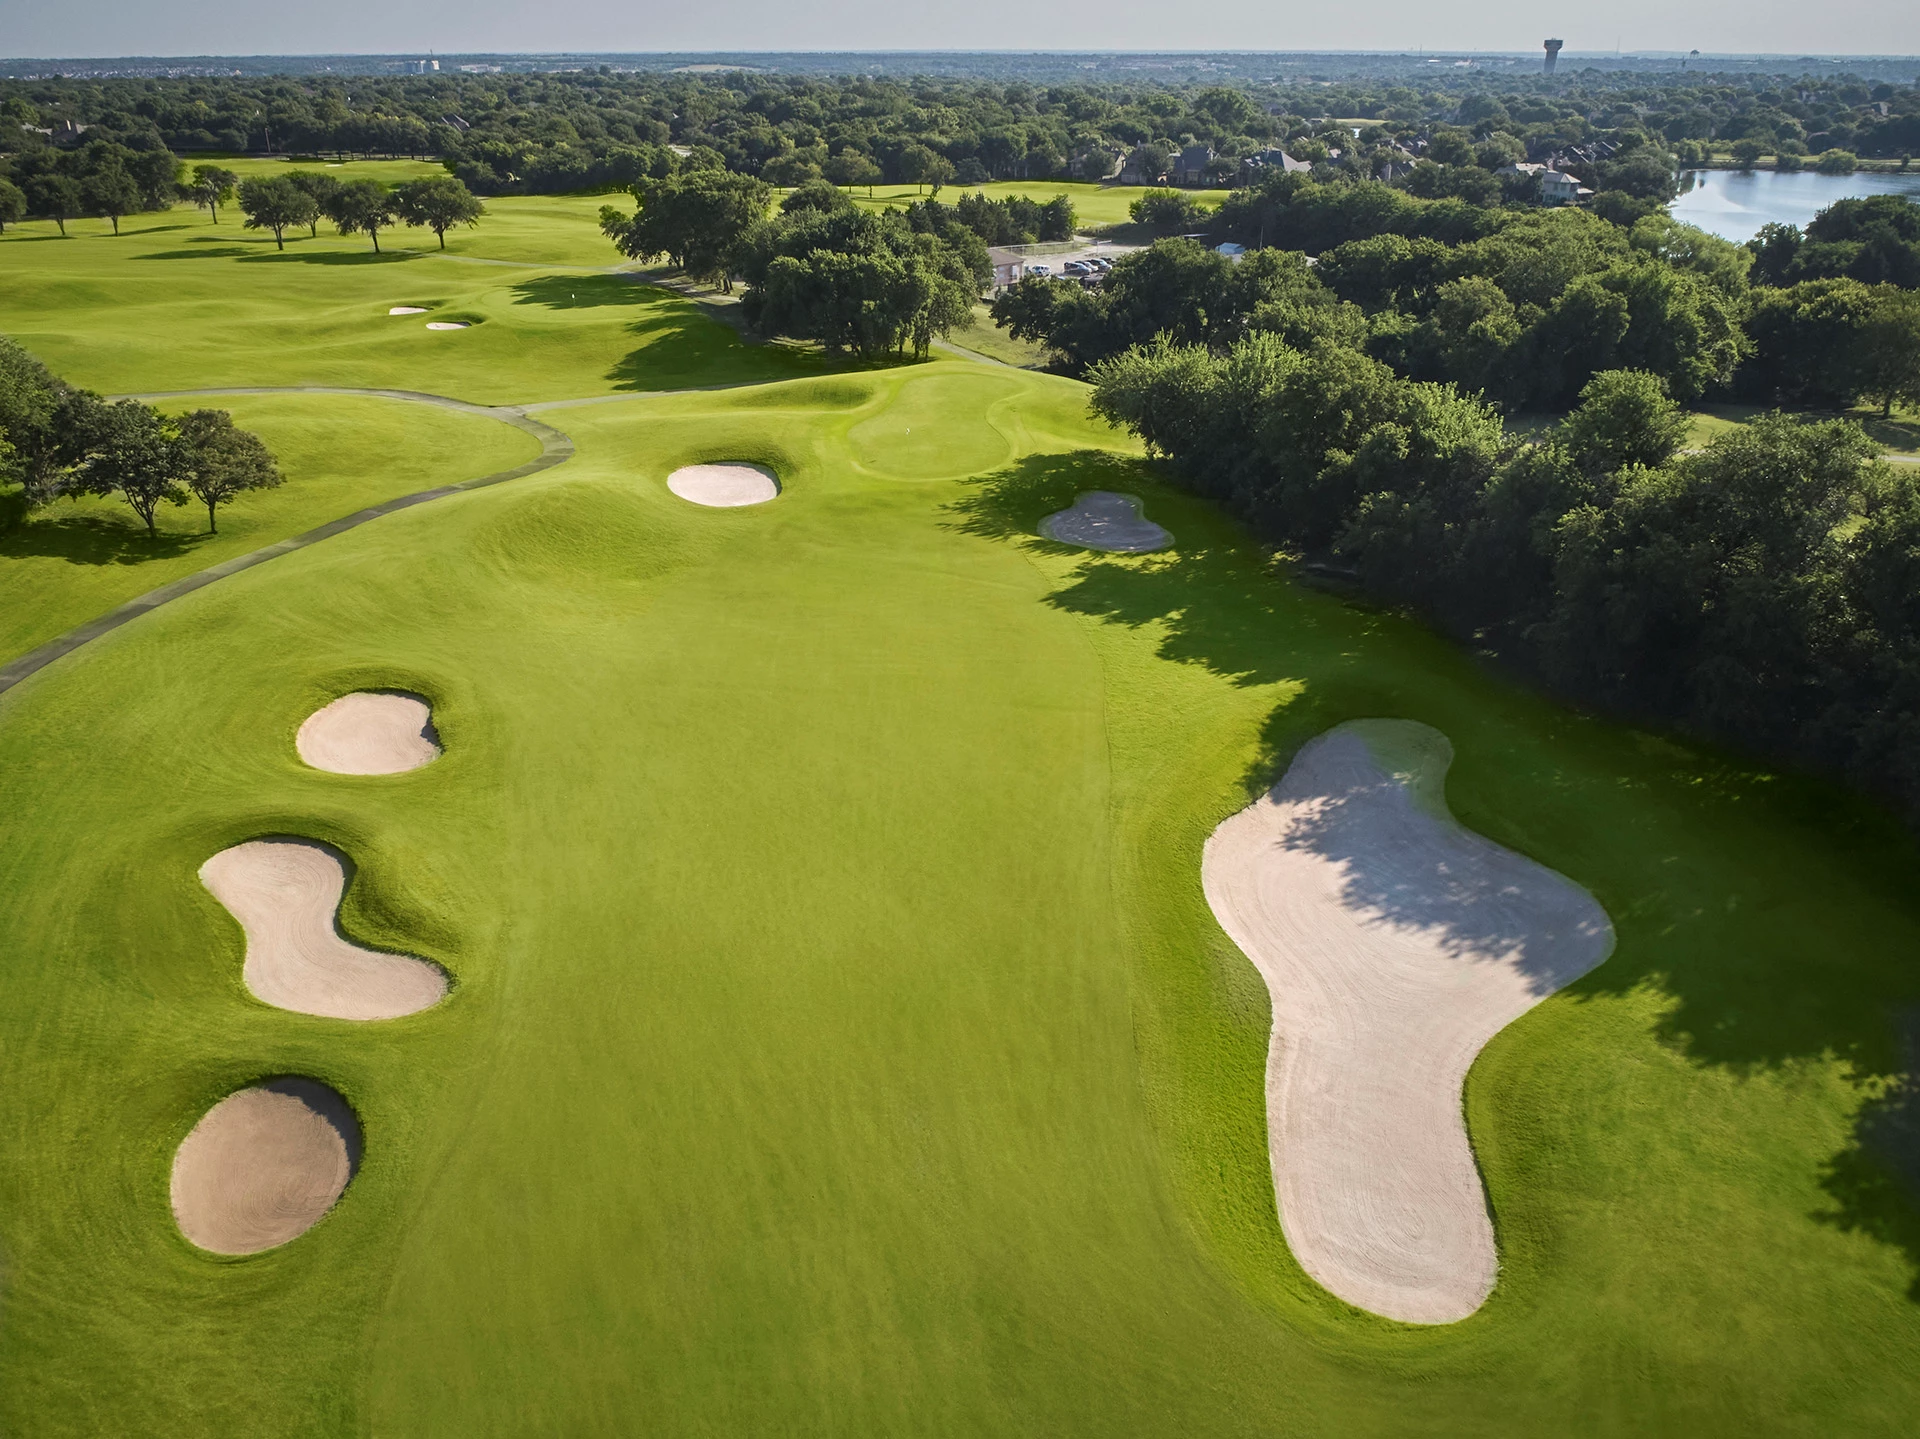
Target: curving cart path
[(555, 448)]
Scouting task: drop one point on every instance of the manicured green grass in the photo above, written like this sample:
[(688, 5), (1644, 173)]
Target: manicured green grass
[(1092, 204), (75, 559), (174, 302), (984, 338), (840, 1038)]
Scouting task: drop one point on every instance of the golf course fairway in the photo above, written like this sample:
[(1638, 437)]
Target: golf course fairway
[(838, 1039)]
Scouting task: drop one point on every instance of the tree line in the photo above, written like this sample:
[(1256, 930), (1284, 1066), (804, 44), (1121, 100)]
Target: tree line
[(1519, 305), (59, 441), (278, 203), (541, 133), (1762, 591)]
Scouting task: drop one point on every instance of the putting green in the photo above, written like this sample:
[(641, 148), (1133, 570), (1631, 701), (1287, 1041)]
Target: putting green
[(839, 1038)]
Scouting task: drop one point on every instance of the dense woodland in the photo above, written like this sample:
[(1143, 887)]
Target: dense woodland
[(506, 134)]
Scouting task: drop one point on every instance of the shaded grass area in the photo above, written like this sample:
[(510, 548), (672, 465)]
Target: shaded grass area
[(984, 338), (840, 1038), (71, 560)]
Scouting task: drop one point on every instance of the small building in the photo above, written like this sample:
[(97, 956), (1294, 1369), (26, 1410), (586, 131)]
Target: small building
[(1190, 165), (1230, 250), (1009, 264), (1556, 186)]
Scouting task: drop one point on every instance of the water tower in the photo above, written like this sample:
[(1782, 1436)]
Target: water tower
[(1553, 53)]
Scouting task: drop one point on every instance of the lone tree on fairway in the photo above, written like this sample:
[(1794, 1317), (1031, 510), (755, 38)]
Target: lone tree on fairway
[(212, 187), (130, 449), (362, 207), (56, 197), (223, 461), (439, 202), (323, 189), (111, 192), (275, 204)]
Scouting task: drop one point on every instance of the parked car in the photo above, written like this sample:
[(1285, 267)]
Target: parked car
[(1100, 263), (1079, 267), (1039, 269)]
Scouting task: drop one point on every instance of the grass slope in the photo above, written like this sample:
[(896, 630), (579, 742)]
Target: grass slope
[(1092, 204), (75, 559), (840, 1040), (174, 302)]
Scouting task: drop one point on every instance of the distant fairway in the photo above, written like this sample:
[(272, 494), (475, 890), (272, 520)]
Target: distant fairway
[(1092, 204), (839, 1039)]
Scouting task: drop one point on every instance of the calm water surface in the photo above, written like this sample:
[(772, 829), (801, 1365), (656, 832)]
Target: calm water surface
[(1734, 204)]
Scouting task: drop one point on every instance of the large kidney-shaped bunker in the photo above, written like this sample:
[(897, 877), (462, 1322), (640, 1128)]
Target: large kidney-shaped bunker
[(1395, 943), (724, 486), (264, 1166)]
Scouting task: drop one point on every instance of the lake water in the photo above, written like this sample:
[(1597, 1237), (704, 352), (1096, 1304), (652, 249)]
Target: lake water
[(1734, 204)]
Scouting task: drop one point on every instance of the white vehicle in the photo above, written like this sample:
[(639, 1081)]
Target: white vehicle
[(1039, 269)]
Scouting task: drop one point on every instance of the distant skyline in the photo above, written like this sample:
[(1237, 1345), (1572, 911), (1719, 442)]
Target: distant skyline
[(107, 28)]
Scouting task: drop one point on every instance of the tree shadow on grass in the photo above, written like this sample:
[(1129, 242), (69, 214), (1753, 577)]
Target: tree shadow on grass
[(92, 540), (334, 257), (1774, 913), (211, 252), (584, 292)]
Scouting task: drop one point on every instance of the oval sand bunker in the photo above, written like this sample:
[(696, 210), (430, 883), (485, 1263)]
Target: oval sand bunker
[(285, 893), (264, 1166), (446, 325), (408, 310), (1106, 520), (724, 486), (1394, 944), (370, 732)]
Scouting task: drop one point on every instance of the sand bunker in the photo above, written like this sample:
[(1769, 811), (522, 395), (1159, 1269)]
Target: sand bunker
[(408, 310), (1105, 520), (285, 893), (1394, 945), (370, 732), (724, 486), (264, 1165), (446, 324)]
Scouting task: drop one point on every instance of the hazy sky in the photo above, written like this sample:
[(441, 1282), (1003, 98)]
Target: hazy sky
[(250, 27)]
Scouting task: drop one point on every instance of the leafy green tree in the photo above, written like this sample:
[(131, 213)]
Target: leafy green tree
[(111, 192), (132, 450), (1167, 212), (57, 197), (852, 167), (1808, 342), (322, 189), (1625, 418), (275, 204), (212, 186), (439, 202), (1837, 162), (362, 207), (1747, 153), (697, 220), (13, 204), (1890, 349), (223, 461)]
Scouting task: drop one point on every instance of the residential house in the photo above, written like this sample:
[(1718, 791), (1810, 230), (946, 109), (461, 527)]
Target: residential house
[(1556, 186), (1268, 160), (1190, 165)]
